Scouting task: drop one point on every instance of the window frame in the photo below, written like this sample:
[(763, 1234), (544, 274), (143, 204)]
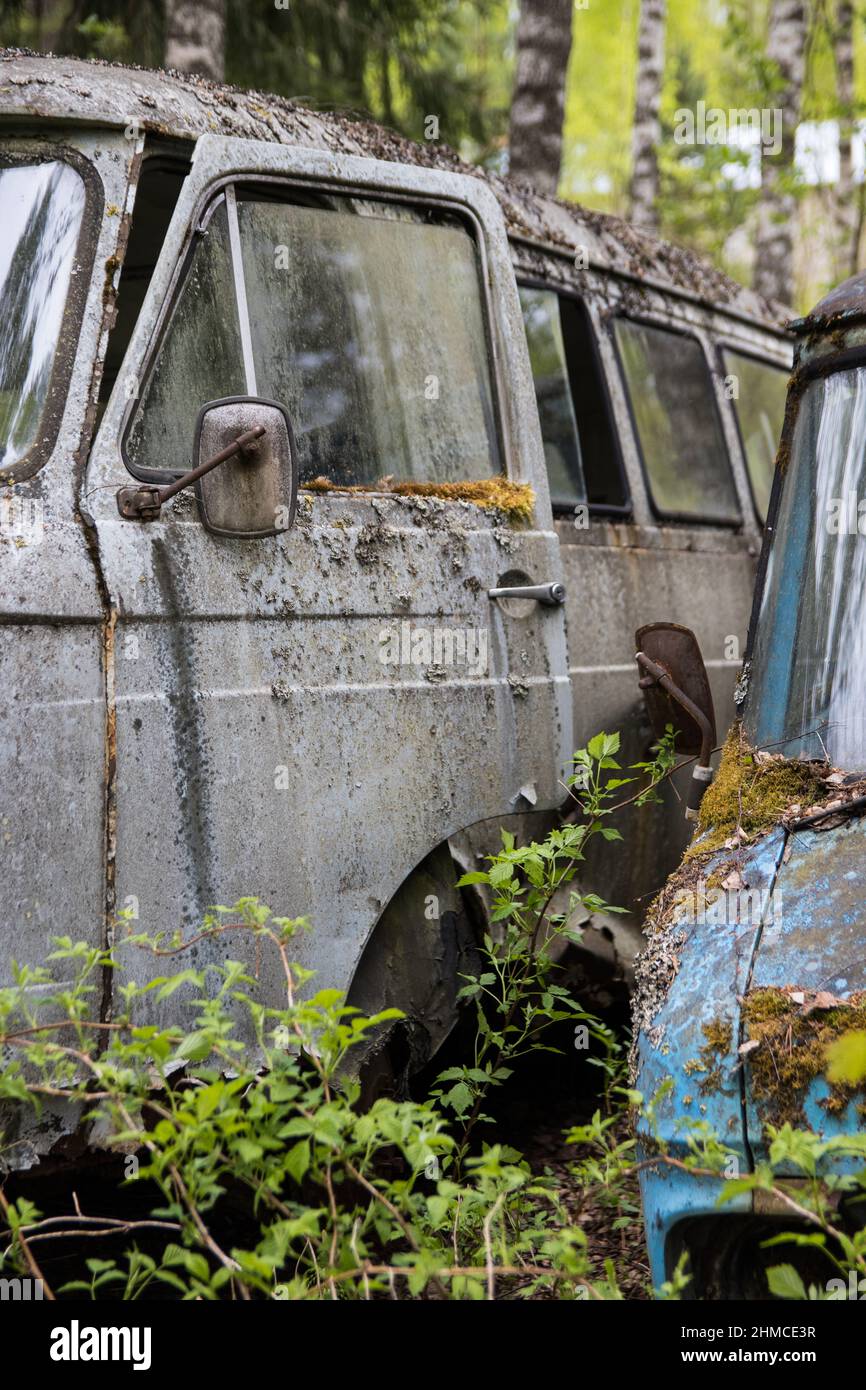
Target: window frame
[(732, 523), (626, 509), (723, 345), (310, 190), (65, 350)]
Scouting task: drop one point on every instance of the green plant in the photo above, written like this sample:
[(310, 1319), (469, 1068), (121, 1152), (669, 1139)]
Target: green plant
[(244, 1103), (515, 994)]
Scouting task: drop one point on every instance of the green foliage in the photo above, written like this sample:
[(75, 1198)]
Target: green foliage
[(124, 31), (249, 1101), (345, 1202)]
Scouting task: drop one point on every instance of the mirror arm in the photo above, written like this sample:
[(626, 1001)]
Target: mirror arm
[(702, 773), (145, 503)]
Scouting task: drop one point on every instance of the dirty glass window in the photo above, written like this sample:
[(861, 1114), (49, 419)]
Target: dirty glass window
[(541, 318), (760, 406), (42, 210), (368, 323), (680, 435), (199, 360)]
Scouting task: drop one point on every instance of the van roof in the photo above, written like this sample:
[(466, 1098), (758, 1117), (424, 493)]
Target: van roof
[(184, 106)]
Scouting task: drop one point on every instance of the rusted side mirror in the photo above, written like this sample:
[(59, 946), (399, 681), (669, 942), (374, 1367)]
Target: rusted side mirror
[(254, 493), (677, 691), (245, 476)]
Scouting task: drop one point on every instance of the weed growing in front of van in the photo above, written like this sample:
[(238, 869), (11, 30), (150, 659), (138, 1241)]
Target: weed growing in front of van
[(515, 994), (237, 1124)]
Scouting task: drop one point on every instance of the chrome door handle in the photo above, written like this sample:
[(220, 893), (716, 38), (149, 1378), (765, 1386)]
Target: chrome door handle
[(551, 595)]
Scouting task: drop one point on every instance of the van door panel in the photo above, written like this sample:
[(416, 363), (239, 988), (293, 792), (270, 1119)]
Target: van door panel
[(266, 742)]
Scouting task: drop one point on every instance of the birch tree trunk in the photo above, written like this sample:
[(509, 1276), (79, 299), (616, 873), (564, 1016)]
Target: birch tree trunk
[(538, 104), (846, 210), (195, 33), (646, 131), (777, 206)]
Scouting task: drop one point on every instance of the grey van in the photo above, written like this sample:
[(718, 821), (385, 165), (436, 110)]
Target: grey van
[(336, 477)]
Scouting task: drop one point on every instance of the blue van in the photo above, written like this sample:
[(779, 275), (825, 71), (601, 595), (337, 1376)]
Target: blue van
[(755, 959)]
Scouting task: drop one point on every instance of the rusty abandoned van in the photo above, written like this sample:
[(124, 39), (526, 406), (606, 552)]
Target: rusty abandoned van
[(336, 477)]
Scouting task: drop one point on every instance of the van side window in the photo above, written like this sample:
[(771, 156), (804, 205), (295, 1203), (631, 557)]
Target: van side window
[(365, 319), (43, 211), (553, 394), (580, 444), (759, 405), (677, 423)]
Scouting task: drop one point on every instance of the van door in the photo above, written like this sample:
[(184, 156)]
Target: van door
[(308, 715)]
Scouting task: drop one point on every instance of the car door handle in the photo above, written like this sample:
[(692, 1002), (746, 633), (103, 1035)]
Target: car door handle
[(551, 595)]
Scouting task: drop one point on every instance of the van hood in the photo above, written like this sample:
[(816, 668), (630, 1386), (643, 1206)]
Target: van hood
[(761, 965)]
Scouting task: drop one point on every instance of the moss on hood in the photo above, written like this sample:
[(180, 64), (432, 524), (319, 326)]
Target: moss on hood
[(752, 791), (794, 1030)]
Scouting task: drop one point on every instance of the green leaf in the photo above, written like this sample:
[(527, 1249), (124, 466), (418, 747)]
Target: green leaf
[(785, 1282), (249, 1151), (459, 1098), (298, 1160)]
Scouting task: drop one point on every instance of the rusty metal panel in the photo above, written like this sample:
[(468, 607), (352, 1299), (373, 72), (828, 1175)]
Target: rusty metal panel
[(617, 574), (52, 729), (689, 1037), (53, 711), (815, 942)]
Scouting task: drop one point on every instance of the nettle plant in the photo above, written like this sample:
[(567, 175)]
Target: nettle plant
[(250, 1166), (515, 995), (339, 1202)]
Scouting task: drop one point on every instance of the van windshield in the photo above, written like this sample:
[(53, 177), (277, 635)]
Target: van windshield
[(42, 209), (808, 671)]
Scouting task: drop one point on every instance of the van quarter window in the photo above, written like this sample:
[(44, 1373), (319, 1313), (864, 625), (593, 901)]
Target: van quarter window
[(760, 410), (580, 443), (43, 207), (366, 320), (677, 423), (555, 408)]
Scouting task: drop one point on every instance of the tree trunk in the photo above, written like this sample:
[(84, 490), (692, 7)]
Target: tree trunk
[(195, 32), (845, 200), (646, 132), (538, 104), (777, 206)]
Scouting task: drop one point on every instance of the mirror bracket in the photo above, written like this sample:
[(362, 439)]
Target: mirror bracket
[(145, 503), (676, 663)]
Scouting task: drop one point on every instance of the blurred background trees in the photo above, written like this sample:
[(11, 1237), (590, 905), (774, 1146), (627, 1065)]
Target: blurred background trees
[(579, 95)]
